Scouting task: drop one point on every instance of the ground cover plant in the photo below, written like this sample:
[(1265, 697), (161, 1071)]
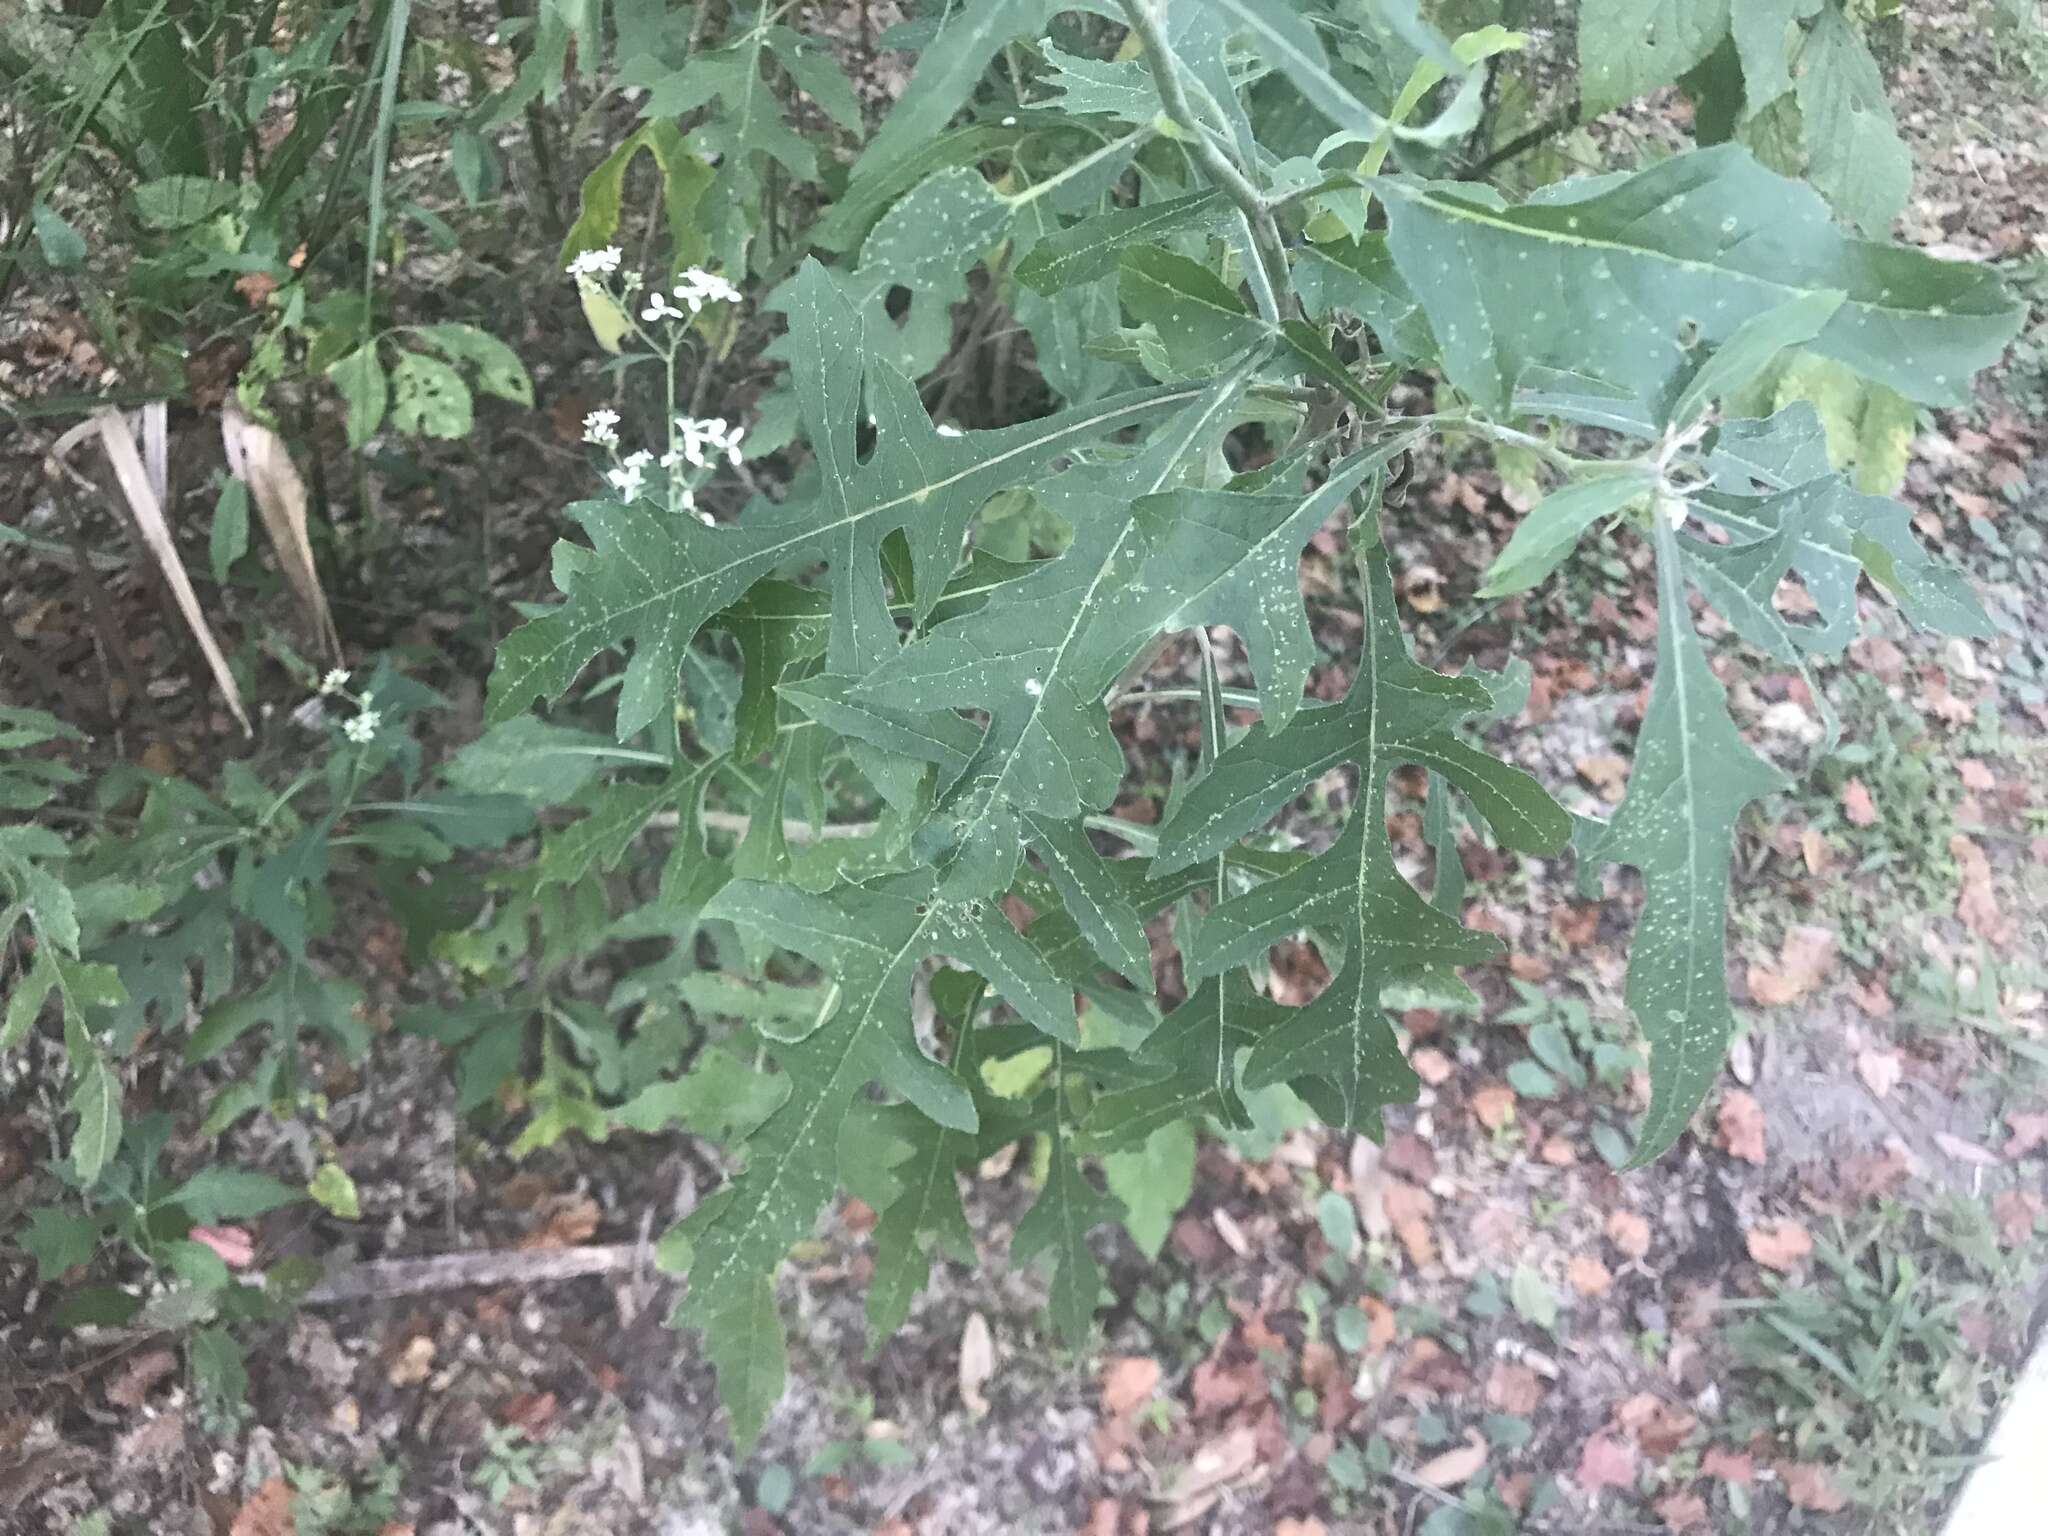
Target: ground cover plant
[(1089, 366)]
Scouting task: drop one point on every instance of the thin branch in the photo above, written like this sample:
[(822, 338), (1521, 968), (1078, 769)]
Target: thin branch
[(1222, 167)]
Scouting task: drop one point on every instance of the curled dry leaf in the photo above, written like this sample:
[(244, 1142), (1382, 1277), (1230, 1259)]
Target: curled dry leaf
[(1810, 1487), (1224, 1461), (1589, 1277), (1629, 1233), (1741, 1124), (977, 1363), (1684, 1511), (1804, 960), (1779, 1245), (1606, 1461), (1857, 804), (1494, 1104), (258, 457), (1127, 1380), (1977, 902), (1880, 1070), (237, 1249), (2029, 1130), (1729, 1466), (1457, 1465), (266, 1512)]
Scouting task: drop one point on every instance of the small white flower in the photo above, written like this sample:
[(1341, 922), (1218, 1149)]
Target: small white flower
[(947, 429), (334, 681), (601, 427), (707, 519), (599, 263), (363, 728), (713, 433), (659, 308), (630, 475), (697, 288)]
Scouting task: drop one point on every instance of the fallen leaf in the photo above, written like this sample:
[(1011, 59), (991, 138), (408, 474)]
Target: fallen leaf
[(130, 1389), (529, 1412), (1455, 1466), (1965, 1151), (414, 1362), (1575, 925), (1494, 1104), (1779, 1245), (1431, 1065), (1976, 776), (1216, 1466), (1408, 1210), (1729, 1466), (2015, 1210), (2029, 1130), (1809, 1487), (1379, 1323), (566, 1220), (977, 1363), (1741, 1123), (1682, 1511), (1857, 805), (256, 288), (1104, 1516), (1657, 1426), (1813, 848), (1629, 1233), (1880, 1070), (1305, 1527), (236, 1248), (1606, 1461), (1512, 1387), (1127, 1380), (1605, 773), (1977, 903), (1589, 1277), (266, 1512), (1804, 959)]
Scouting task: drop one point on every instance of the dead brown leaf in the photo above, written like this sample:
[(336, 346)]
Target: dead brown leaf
[(1379, 1323), (2016, 1211), (1879, 1069), (1977, 902), (1408, 1211), (1127, 1380), (266, 1512), (1804, 959), (1222, 1462), (1857, 804), (1809, 1487), (1512, 1387), (1779, 1245), (977, 1364), (1629, 1233), (1740, 1120), (2029, 1130), (1659, 1427), (1606, 1461), (1431, 1065), (1605, 773), (1589, 1277), (1455, 1466), (565, 1221), (1494, 1105), (130, 1389), (1682, 1511), (1976, 776), (1729, 1466)]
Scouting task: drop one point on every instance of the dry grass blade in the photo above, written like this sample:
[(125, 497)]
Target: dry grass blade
[(136, 488), (258, 457)]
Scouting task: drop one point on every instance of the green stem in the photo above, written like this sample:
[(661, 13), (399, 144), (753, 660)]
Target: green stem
[(1221, 167)]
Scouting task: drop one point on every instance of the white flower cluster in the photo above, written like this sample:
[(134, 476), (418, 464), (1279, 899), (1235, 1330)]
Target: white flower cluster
[(601, 427), (713, 433), (600, 263), (696, 288), (631, 474), (362, 729)]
